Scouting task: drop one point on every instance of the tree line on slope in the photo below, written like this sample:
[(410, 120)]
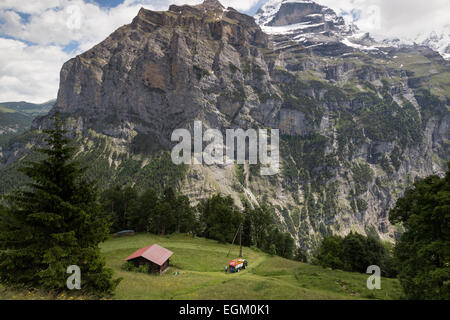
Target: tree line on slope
[(216, 217), (355, 253)]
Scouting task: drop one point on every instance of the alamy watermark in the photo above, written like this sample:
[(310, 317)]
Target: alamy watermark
[(234, 149), (74, 281), (374, 281), (74, 17)]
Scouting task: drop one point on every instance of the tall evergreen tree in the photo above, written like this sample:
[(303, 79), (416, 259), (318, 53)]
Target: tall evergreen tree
[(262, 225), (247, 240), (120, 205), (330, 253), (221, 218), (185, 216), (355, 254), (53, 223), (288, 245), (166, 212), (142, 210), (299, 255), (247, 230)]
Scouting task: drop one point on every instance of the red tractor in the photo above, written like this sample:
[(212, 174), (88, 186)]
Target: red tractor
[(237, 264)]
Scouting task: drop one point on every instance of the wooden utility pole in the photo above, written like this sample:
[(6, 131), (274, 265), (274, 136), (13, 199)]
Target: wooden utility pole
[(240, 241), (232, 243), (239, 230)]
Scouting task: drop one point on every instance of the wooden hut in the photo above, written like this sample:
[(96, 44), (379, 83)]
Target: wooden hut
[(124, 233), (156, 257)]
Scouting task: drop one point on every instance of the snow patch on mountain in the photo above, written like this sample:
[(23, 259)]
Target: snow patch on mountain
[(292, 28), (268, 11), (308, 21), (438, 40)]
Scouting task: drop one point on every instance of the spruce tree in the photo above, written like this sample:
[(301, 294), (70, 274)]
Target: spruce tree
[(185, 216), (300, 256), (53, 223), (247, 230), (144, 210)]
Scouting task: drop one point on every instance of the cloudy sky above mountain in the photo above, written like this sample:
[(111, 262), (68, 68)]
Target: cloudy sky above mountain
[(37, 37)]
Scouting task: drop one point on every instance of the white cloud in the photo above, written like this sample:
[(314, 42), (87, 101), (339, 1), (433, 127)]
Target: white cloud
[(29, 7), (239, 4), (53, 24), (242, 5), (29, 73), (60, 25), (399, 18)]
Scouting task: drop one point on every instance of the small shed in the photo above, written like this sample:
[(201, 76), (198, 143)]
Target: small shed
[(155, 256), (124, 233)]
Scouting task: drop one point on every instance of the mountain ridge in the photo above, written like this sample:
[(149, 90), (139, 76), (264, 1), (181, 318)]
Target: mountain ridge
[(17, 117), (349, 34)]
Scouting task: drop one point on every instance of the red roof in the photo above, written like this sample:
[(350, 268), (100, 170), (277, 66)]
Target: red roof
[(153, 253)]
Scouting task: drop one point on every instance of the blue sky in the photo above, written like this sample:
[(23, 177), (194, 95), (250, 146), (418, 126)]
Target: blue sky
[(115, 3), (74, 46), (37, 37), (108, 3)]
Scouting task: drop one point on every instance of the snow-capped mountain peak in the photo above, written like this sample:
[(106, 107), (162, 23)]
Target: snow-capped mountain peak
[(269, 10), (304, 21), (312, 24), (438, 40)]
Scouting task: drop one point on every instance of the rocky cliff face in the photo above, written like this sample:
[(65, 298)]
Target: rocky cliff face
[(358, 126), (163, 71)]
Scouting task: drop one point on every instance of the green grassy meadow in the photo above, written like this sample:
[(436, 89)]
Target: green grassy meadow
[(200, 265)]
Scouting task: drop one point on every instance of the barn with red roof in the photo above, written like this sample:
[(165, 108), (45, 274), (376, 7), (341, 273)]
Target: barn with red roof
[(155, 256)]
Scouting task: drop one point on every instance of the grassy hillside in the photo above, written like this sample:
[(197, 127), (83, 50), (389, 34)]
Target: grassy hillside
[(200, 264)]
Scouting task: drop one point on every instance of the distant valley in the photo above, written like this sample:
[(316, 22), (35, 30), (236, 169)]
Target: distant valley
[(16, 117)]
